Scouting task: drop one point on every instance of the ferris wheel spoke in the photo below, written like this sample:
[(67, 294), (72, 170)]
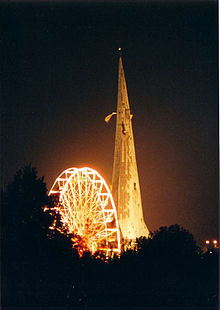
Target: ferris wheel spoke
[(75, 206), (93, 188), (73, 192), (86, 187), (70, 218), (79, 187)]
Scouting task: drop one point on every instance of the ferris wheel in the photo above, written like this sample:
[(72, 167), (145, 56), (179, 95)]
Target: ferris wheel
[(87, 210)]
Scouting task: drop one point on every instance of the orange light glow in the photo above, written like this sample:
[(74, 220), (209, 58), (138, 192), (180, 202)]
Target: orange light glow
[(207, 241), (215, 241), (87, 210)]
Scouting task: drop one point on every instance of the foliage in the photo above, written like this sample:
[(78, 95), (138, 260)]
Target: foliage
[(171, 248), (22, 211), (40, 268)]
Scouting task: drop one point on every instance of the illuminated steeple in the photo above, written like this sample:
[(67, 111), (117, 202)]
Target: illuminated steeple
[(125, 181)]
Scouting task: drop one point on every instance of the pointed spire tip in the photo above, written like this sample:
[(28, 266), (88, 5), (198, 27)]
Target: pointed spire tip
[(119, 49)]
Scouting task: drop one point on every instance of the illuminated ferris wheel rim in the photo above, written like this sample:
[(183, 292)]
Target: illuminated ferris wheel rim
[(64, 180), (75, 170)]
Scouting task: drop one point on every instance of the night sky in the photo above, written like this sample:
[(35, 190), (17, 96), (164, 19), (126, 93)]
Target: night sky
[(59, 81)]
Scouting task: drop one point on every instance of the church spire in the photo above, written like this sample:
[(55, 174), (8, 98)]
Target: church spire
[(125, 181)]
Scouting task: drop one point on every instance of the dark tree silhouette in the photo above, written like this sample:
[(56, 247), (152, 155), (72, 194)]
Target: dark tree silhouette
[(172, 246), (31, 249), (25, 199), (23, 228), (41, 267)]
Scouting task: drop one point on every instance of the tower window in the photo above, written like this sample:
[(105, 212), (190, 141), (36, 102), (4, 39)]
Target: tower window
[(135, 186)]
